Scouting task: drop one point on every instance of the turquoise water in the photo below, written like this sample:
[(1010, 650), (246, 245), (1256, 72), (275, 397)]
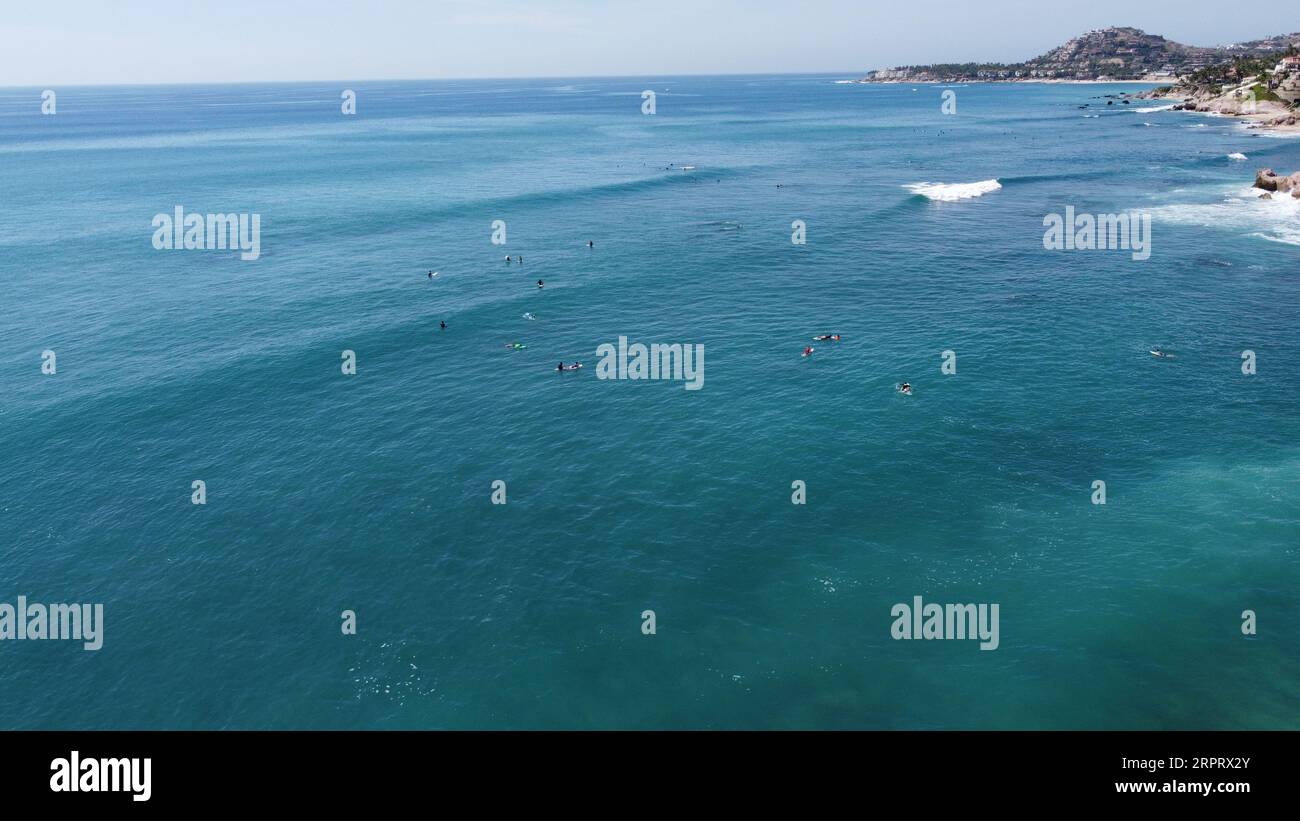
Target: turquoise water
[(372, 492)]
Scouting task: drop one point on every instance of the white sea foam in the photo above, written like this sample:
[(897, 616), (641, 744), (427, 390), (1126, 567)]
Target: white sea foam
[(1276, 134), (1150, 109), (1237, 155), (951, 192), (1241, 210)]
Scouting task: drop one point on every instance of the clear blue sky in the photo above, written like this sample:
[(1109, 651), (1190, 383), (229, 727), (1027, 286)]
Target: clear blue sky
[(141, 41)]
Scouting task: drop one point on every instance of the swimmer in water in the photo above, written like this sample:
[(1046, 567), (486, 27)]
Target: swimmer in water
[(591, 244), (442, 326), (431, 275), (808, 351), (829, 338), (905, 388), (541, 284)]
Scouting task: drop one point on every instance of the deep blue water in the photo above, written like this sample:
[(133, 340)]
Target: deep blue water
[(372, 492)]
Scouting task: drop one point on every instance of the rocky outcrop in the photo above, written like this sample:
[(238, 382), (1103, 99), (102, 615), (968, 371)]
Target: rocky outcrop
[(1238, 102), (1266, 179), (1288, 88)]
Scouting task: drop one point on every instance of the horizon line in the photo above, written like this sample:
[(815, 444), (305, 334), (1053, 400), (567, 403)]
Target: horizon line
[(846, 75)]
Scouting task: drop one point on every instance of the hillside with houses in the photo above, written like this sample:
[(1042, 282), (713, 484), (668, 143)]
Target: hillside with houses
[(1265, 90), (1111, 54)]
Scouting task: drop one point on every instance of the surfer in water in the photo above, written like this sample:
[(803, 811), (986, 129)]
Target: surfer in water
[(591, 244), (905, 389), (829, 338), (808, 351), (442, 326), (541, 284)]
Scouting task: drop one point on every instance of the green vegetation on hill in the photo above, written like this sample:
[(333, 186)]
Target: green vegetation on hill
[(1262, 92), (1234, 71)]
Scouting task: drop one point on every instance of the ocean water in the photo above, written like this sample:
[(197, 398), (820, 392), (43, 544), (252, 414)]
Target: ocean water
[(372, 492)]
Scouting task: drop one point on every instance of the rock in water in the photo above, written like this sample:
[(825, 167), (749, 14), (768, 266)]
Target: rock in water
[(1266, 179)]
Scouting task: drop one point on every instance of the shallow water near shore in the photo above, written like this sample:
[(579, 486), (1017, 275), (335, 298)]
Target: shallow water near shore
[(373, 493)]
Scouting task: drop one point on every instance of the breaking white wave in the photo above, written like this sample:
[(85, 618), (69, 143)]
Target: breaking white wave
[(1241, 210), (1276, 134), (1237, 155), (1150, 109), (953, 191)]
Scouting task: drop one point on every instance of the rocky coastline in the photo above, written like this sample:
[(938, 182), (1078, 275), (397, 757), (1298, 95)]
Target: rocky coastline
[(1265, 114), (1270, 182)]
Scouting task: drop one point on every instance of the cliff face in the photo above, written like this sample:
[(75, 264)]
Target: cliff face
[(1114, 53), (1288, 88)]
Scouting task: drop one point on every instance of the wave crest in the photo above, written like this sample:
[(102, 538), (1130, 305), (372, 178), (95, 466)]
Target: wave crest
[(954, 191)]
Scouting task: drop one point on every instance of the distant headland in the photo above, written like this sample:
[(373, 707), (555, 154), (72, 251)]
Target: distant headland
[(1257, 80), (1107, 55)]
